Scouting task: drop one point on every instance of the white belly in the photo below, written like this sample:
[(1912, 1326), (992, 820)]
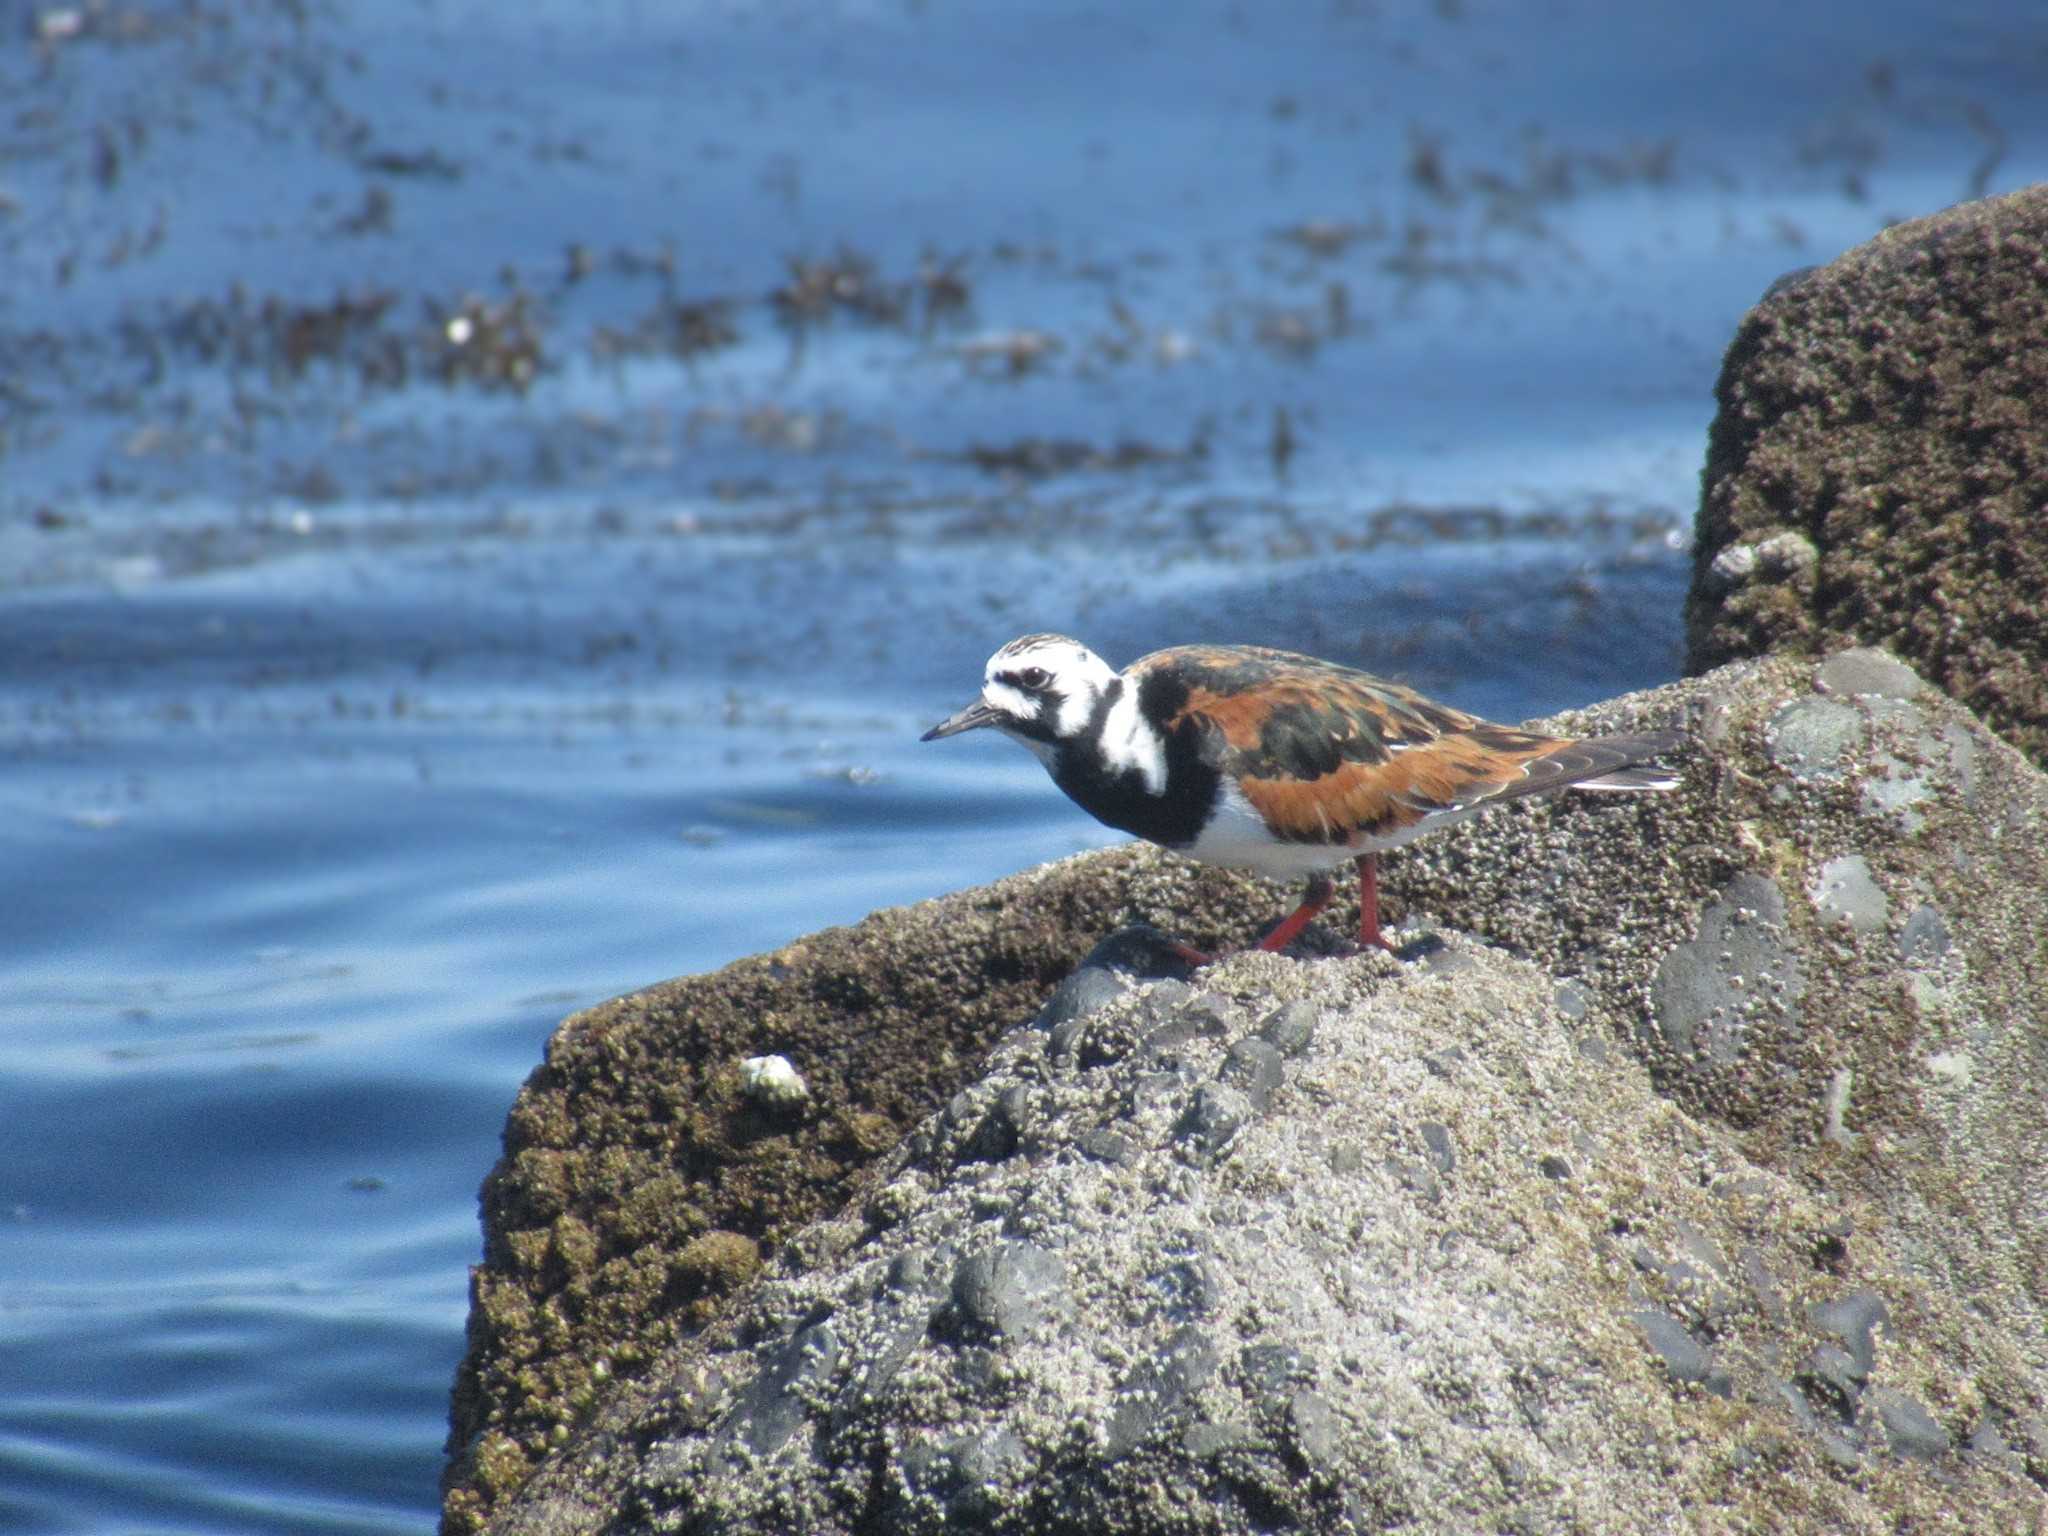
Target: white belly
[(1237, 839)]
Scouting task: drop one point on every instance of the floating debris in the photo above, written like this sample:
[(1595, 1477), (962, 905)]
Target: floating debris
[(496, 346), (1015, 352), (1033, 457)]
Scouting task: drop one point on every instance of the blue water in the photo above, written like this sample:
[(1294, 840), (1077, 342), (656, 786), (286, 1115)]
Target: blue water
[(350, 735)]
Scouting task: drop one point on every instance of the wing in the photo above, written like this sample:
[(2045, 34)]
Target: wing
[(1326, 754)]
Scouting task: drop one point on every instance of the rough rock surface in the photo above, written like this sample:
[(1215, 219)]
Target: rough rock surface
[(642, 1178), (1713, 1203), (1875, 473)]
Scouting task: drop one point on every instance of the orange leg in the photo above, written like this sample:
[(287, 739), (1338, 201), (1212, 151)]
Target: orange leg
[(1320, 889), (1369, 903)]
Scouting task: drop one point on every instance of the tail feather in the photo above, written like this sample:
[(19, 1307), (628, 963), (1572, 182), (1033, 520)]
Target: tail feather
[(1618, 763), (1647, 776)]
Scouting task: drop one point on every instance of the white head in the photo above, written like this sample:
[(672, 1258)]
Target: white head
[(1040, 690)]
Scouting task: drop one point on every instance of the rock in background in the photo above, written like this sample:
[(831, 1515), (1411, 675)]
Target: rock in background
[(1738, 1225), (1878, 471)]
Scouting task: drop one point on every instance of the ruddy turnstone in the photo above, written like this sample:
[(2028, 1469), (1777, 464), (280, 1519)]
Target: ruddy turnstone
[(1265, 760)]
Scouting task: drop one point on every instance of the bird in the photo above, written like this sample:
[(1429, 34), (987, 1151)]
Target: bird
[(1284, 764)]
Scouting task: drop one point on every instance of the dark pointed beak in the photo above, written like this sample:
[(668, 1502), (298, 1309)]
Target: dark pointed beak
[(973, 716)]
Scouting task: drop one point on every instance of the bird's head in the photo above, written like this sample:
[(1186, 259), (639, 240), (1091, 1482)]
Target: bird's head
[(1041, 690)]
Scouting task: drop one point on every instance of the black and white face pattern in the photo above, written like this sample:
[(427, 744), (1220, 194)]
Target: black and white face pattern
[(1044, 691), (1076, 713)]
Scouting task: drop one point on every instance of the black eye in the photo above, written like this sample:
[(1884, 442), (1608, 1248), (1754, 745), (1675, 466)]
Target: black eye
[(1033, 678)]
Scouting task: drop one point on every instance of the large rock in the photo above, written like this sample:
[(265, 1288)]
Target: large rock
[(645, 1171), (1683, 1174), (1878, 470)]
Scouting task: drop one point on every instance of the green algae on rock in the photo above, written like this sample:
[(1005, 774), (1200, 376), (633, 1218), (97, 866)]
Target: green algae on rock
[(1875, 471)]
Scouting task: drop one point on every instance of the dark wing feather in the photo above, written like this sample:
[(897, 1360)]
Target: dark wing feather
[(1380, 799), (1599, 762), (1325, 753)]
